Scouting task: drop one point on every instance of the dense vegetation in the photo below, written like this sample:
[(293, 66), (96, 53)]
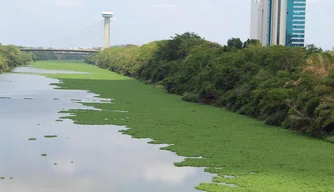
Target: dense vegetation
[(44, 55), (288, 86), (49, 55), (11, 56)]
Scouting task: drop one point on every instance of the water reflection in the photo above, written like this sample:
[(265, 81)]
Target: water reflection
[(80, 158), (44, 71)]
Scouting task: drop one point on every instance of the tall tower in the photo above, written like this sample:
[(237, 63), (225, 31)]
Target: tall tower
[(107, 16)]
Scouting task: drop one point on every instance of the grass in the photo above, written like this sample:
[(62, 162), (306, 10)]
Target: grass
[(230, 144), (43, 154), (32, 139)]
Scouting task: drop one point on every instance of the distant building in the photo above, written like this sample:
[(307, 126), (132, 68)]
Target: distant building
[(280, 22)]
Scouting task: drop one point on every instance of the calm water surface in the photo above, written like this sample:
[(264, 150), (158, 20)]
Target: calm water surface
[(44, 71), (81, 158)]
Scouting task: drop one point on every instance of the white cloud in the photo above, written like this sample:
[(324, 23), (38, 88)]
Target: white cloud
[(167, 172)]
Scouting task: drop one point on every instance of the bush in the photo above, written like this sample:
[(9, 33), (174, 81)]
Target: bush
[(276, 118), (191, 97), (11, 56), (330, 138)]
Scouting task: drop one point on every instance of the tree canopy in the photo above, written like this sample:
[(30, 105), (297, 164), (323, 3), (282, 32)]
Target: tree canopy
[(11, 56)]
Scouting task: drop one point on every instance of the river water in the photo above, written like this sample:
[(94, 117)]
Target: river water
[(82, 157)]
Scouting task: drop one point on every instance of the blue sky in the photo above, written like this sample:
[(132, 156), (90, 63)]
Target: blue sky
[(73, 23)]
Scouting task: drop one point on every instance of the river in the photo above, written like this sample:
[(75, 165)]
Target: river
[(76, 157)]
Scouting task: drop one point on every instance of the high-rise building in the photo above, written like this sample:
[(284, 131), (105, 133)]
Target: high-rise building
[(295, 23), (256, 10), (280, 22)]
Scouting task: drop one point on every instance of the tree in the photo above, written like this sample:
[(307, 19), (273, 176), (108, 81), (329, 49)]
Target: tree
[(11, 56), (234, 44), (249, 42), (178, 47), (311, 48)]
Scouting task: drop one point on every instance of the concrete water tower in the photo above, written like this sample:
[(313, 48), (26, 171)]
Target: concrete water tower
[(107, 16)]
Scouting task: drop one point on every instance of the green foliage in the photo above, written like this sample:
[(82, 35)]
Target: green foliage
[(3, 63), (330, 138), (49, 55), (91, 59), (178, 47), (310, 49), (191, 97), (276, 118), (234, 44), (288, 86), (44, 55), (251, 42), (11, 56)]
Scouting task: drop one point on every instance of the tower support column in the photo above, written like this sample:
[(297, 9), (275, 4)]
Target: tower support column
[(107, 16), (106, 32)]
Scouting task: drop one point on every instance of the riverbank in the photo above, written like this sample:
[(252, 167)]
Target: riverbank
[(11, 57), (283, 86), (261, 157)]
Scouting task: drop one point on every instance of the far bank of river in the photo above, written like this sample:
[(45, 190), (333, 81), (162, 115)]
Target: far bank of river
[(241, 150)]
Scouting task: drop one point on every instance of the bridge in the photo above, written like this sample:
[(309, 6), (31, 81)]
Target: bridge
[(68, 51)]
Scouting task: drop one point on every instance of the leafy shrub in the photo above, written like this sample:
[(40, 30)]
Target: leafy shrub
[(276, 118), (11, 56), (191, 97), (330, 138)]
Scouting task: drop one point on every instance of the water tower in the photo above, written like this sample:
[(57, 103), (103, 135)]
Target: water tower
[(107, 16)]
